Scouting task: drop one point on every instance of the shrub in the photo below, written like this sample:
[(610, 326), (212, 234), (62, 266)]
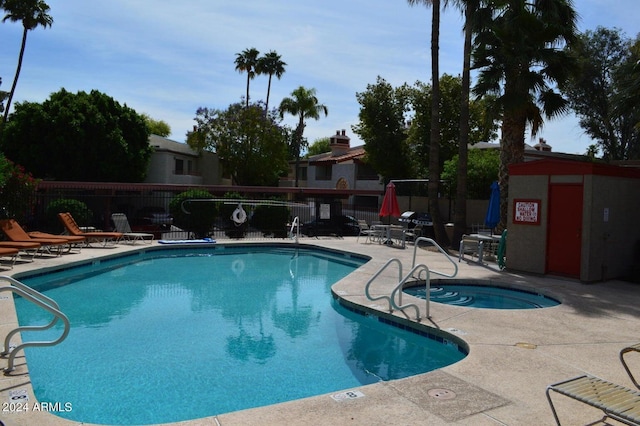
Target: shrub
[(201, 215), (271, 220), (79, 210), (17, 190)]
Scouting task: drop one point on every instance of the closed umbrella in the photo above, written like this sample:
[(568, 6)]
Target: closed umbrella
[(492, 218), (390, 202)]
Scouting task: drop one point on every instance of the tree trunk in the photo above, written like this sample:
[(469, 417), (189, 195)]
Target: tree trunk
[(434, 148), (511, 152), (460, 215), (15, 78)]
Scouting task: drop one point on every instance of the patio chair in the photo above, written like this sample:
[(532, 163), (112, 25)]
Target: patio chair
[(615, 401), (365, 230), (623, 352), (10, 252), (72, 228), (472, 246), (121, 224), (15, 233)]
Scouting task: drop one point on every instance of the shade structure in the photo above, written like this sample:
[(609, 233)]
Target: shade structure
[(390, 202), (492, 218)]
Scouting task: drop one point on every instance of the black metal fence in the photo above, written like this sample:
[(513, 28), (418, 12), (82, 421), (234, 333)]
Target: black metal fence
[(149, 208)]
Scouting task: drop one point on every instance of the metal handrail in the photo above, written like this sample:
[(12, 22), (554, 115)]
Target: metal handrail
[(42, 301), (295, 224), (429, 240), (376, 275), (401, 285)]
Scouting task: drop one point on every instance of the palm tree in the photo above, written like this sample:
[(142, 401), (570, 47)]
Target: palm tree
[(304, 104), (31, 13), (271, 63), (518, 52), (434, 143), (247, 61)]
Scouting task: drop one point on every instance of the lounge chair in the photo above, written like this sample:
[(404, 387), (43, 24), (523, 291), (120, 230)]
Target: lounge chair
[(615, 401), (29, 248), (121, 223), (74, 241), (72, 228), (15, 233), (623, 352), (9, 252)]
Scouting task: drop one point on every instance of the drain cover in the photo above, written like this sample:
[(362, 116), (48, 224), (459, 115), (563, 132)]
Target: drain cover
[(441, 393)]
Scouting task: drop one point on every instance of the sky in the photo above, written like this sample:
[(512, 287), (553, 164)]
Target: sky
[(167, 58)]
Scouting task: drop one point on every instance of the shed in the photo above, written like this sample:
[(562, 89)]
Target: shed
[(575, 219)]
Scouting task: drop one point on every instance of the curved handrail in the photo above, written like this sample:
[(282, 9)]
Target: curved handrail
[(429, 240), (45, 303), (295, 224), (366, 288), (401, 285)]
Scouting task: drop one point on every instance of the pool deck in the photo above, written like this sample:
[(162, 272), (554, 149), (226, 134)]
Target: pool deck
[(513, 354)]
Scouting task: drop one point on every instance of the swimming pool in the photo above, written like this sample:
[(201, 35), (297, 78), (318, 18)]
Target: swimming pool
[(170, 335), (479, 294)]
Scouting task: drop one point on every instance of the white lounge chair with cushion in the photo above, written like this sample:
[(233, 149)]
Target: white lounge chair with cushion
[(121, 224)]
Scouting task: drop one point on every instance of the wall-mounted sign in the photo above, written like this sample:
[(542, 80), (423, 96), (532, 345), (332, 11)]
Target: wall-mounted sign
[(526, 212)]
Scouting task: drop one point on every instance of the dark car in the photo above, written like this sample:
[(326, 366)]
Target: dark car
[(338, 225), (152, 219)]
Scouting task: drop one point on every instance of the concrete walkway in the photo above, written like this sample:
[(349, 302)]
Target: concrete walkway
[(513, 356)]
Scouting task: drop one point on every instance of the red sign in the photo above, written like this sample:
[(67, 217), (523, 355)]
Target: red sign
[(526, 212)]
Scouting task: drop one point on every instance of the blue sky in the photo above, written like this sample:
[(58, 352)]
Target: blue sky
[(168, 58)]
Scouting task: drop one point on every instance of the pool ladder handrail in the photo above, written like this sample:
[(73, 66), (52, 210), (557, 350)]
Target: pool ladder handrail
[(295, 225), (40, 300), (412, 274)]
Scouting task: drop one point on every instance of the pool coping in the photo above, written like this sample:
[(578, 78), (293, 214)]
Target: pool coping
[(602, 317)]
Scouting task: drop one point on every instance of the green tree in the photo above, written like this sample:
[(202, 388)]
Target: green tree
[(319, 146), (606, 62), (251, 146), (32, 13), (272, 64), (304, 104), (518, 50), (383, 130), (483, 166), (78, 137), (157, 127), (17, 190), (247, 61)]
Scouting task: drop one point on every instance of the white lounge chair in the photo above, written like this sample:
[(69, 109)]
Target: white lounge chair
[(121, 224)]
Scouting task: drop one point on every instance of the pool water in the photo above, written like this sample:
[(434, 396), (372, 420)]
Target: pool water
[(483, 296), (175, 335)]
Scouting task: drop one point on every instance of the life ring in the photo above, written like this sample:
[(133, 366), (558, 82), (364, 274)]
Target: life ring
[(239, 216)]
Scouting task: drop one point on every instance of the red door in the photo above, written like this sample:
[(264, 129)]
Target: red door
[(564, 241)]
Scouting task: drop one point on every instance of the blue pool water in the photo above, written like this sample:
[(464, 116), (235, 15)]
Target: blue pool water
[(175, 334), (483, 296)]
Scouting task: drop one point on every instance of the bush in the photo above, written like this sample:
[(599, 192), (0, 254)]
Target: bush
[(79, 210), (271, 220), (17, 189), (201, 215)]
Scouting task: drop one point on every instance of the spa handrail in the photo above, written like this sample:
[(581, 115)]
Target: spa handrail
[(295, 225), (420, 267), (376, 275), (40, 300), (441, 250)]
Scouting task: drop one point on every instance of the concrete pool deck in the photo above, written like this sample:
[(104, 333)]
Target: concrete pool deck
[(513, 354)]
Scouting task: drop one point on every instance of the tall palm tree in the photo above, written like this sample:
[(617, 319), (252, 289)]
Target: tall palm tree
[(518, 50), (303, 103), (271, 63), (247, 61), (434, 143), (32, 13)]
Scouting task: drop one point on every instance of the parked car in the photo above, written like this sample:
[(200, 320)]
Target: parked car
[(338, 225)]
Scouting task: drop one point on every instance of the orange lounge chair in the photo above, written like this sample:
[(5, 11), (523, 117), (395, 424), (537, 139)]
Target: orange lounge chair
[(73, 229), (9, 252), (74, 240), (30, 248), (15, 233)]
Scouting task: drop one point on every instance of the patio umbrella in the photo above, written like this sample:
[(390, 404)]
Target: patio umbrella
[(492, 218), (390, 202)]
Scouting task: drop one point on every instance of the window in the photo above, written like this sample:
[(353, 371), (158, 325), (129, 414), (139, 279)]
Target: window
[(323, 172), (179, 167), (366, 172)]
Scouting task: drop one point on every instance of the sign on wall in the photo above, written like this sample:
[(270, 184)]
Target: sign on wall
[(526, 212)]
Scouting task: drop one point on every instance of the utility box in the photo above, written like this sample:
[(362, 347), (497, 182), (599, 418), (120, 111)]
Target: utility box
[(572, 218)]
